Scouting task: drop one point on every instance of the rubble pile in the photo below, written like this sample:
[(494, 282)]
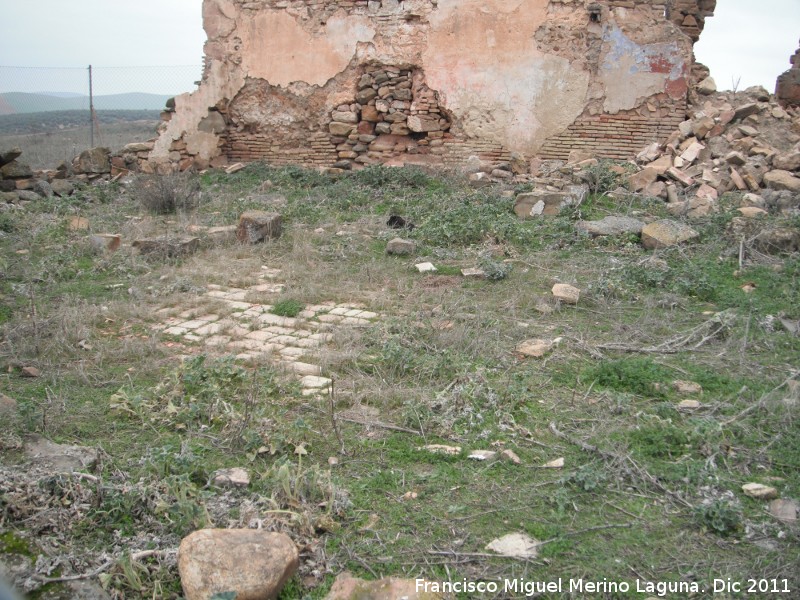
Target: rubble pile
[(731, 142)]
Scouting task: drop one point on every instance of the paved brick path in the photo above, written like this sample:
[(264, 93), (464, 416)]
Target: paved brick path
[(251, 332)]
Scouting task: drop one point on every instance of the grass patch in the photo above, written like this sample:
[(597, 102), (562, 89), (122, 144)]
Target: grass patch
[(642, 475)]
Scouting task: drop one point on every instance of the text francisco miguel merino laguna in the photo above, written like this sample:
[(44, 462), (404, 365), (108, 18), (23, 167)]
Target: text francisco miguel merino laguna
[(527, 587)]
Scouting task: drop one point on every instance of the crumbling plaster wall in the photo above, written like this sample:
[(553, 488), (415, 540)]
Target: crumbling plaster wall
[(499, 76)]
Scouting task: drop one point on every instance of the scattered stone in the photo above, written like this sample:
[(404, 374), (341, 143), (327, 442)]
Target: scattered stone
[(233, 477), (534, 204), (611, 225), (6, 156), (689, 405), (707, 87), (105, 242), (95, 161), (665, 233), (778, 240), (442, 449), (687, 387), (516, 545), (425, 267), (16, 170), (510, 456), (485, 455), (752, 212), (784, 510), (759, 491), (256, 226), (535, 348), (400, 247), (347, 587), (639, 181), (78, 223), (62, 187), (254, 564), (43, 189), (474, 272), (222, 234), (31, 372), (566, 293), (167, 246), (62, 458), (8, 408), (558, 463), (782, 180), (234, 168)]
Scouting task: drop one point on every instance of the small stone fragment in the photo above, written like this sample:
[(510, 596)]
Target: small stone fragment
[(558, 463), (510, 456), (687, 387), (688, 405), (233, 477), (78, 223), (566, 293), (475, 272), (105, 242), (759, 491), (347, 587), (535, 348), (234, 168), (30, 372), (442, 449), (784, 510), (425, 267), (665, 233), (400, 247), (487, 455), (517, 545)]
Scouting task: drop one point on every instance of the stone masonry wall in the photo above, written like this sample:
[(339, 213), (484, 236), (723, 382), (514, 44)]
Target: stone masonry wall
[(348, 84), (787, 88)]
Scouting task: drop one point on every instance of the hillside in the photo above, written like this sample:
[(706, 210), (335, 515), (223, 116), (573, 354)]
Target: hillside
[(19, 102)]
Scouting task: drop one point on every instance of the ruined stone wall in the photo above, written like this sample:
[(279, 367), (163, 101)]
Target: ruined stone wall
[(787, 88), (324, 82)]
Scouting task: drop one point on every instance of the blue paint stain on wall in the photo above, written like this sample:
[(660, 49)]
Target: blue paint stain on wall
[(620, 46)]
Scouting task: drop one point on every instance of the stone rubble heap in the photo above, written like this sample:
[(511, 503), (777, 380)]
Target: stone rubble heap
[(732, 142), (394, 113)]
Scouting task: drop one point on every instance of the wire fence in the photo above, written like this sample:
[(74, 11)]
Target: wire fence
[(53, 114)]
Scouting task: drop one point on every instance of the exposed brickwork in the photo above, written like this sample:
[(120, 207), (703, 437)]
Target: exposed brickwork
[(366, 100), (616, 136)]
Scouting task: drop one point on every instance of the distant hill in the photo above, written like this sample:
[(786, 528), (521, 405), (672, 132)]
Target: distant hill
[(20, 103)]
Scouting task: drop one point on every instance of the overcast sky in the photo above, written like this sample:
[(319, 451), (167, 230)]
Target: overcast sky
[(748, 39)]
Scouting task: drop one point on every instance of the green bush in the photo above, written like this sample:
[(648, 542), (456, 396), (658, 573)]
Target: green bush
[(720, 517), (287, 308)]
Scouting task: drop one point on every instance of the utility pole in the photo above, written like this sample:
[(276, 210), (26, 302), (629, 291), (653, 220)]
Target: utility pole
[(91, 110)]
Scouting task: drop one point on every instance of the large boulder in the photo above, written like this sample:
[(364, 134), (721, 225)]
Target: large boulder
[(15, 170), (96, 161), (611, 225), (782, 180), (251, 563), (60, 458), (6, 156), (665, 233), (257, 225)]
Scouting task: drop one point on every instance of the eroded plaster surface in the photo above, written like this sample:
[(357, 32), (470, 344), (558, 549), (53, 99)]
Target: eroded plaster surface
[(286, 77), (483, 59)]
